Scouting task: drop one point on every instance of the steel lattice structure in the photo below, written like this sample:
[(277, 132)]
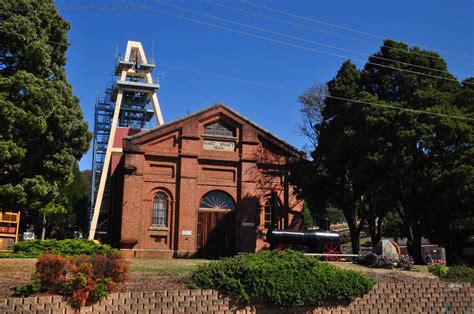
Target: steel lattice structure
[(129, 102)]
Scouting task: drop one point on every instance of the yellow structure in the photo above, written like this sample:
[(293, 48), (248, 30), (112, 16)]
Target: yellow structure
[(9, 225)]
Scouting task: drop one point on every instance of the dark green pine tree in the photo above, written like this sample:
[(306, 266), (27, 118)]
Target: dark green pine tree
[(372, 160), (42, 130)]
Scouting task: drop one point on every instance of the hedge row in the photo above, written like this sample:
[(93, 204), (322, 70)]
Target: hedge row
[(286, 279), (70, 247)]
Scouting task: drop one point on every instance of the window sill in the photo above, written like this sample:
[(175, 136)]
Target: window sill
[(158, 228)]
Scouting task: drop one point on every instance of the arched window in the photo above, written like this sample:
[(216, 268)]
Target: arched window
[(267, 209), (160, 209), (219, 129), (217, 200)]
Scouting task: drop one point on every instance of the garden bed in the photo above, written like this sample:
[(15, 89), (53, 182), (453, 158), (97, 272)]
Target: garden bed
[(155, 275), (145, 274)]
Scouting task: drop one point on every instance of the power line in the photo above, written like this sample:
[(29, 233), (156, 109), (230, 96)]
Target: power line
[(267, 84), (319, 94), (330, 33), (347, 28), (292, 45), (300, 39), (188, 84)]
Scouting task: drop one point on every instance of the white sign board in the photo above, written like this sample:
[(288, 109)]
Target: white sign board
[(248, 224), (186, 232), (219, 145)]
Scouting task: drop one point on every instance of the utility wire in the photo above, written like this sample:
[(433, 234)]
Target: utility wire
[(301, 39), (188, 84), (292, 45), (319, 94), (330, 33), (347, 28), (267, 84)]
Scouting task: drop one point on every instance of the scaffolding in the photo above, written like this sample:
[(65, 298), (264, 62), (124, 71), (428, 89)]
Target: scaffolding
[(129, 102)]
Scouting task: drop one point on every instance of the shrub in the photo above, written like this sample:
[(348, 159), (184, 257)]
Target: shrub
[(69, 247), (102, 287), (438, 269), (405, 262), (83, 278), (34, 286), (458, 273), (51, 271), (286, 279), (379, 261)]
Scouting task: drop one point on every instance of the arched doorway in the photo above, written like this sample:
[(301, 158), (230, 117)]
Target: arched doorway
[(216, 225)]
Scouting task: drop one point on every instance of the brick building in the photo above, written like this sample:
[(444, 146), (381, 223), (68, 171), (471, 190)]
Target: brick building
[(201, 184)]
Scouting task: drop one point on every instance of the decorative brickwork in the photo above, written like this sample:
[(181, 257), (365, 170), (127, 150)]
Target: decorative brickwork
[(184, 161), (384, 298)]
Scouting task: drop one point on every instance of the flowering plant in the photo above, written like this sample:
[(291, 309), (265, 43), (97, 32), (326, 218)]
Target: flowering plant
[(438, 269), (380, 261)]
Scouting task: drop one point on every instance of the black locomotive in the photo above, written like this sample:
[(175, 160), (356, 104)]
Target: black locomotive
[(322, 240)]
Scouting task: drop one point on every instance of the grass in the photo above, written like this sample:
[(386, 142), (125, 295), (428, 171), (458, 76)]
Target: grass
[(419, 271), (165, 266), (140, 265)]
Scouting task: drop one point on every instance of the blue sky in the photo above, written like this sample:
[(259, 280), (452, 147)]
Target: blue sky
[(102, 25)]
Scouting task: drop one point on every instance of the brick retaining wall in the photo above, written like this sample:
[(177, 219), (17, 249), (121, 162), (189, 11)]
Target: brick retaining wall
[(384, 298)]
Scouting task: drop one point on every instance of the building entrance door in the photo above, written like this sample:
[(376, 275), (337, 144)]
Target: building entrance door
[(216, 234)]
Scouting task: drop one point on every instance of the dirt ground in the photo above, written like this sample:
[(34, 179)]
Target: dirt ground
[(420, 273), (156, 274)]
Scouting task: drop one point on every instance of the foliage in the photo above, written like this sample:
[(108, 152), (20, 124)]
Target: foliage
[(83, 278), (335, 215), (438, 269), (32, 287), (71, 208), (460, 273), (405, 262), (43, 132), (102, 287), (392, 226), (457, 273), (372, 160), (35, 248), (51, 271), (286, 279), (307, 218), (373, 260)]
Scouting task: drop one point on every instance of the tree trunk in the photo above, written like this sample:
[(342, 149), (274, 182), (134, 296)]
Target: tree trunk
[(355, 236), (414, 244), (374, 222), (43, 230)]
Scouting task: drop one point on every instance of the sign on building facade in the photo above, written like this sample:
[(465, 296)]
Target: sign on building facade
[(219, 145)]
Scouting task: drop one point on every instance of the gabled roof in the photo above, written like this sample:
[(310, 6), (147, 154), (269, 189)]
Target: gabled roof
[(220, 105)]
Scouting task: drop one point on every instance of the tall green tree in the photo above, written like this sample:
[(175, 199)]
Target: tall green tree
[(69, 212), (42, 130), (371, 160)]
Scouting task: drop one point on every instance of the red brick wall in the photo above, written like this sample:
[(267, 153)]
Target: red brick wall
[(384, 298), (172, 159)]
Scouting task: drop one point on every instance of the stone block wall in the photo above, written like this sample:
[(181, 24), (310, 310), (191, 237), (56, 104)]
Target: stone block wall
[(384, 298)]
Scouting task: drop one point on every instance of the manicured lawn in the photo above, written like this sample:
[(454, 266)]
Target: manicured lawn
[(165, 266)]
